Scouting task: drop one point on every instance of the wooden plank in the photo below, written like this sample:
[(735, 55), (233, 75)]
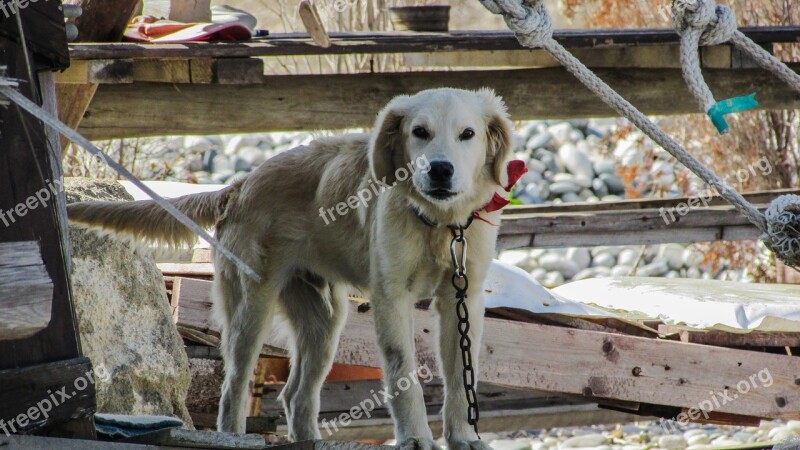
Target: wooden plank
[(106, 71), (397, 42), (35, 397), (723, 339), (688, 235), (307, 102), (756, 198), (26, 291), (592, 364), (178, 270), (644, 57), (313, 24)]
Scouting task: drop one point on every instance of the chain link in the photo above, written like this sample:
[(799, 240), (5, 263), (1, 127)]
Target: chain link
[(461, 283)]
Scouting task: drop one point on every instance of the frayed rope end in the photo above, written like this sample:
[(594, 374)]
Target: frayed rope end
[(783, 229)]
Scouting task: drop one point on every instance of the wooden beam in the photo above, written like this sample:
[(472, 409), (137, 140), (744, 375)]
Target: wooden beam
[(720, 338), (38, 396), (308, 102), (26, 291), (644, 57), (394, 42), (591, 364)]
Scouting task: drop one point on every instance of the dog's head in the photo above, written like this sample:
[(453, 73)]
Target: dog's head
[(457, 143)]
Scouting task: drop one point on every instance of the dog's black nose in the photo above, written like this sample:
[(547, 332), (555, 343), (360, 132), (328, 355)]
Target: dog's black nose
[(441, 171)]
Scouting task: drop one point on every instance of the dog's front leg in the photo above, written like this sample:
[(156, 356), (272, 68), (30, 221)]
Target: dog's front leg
[(457, 431), (393, 306)]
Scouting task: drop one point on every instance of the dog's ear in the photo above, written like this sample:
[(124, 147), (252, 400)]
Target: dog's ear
[(498, 135), (386, 145)]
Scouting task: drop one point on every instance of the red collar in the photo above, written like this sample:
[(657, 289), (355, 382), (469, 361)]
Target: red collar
[(515, 169)]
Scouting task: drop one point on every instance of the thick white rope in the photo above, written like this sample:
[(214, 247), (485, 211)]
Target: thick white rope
[(705, 23), (524, 16), (10, 93)]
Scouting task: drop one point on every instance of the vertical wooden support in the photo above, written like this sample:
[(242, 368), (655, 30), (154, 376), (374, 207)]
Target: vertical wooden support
[(101, 21), (29, 165)]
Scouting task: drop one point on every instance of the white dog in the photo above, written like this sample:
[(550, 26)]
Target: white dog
[(283, 221)]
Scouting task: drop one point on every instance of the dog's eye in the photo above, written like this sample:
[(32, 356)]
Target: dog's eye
[(467, 134), (420, 132)]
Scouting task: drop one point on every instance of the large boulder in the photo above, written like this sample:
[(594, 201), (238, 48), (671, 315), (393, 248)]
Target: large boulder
[(124, 319)]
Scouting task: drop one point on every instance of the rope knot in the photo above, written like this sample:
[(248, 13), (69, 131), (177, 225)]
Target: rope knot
[(528, 19), (715, 23)]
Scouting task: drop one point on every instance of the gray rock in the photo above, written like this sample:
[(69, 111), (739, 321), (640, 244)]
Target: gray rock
[(534, 165), (562, 187), (580, 256), (673, 254), (559, 263), (614, 183), (560, 132), (240, 165), (621, 270), (222, 163), (553, 279), (124, 318), (548, 158), (657, 268), (253, 156), (576, 161), (672, 442), (571, 197), (599, 187), (585, 441), (200, 144), (584, 274), (604, 260), (537, 141), (604, 165), (222, 177), (627, 257)]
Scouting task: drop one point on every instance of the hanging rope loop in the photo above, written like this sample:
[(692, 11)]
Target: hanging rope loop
[(529, 20), (715, 24)]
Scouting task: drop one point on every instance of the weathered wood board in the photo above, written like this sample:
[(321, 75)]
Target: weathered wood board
[(26, 291), (395, 42), (592, 364), (306, 102)]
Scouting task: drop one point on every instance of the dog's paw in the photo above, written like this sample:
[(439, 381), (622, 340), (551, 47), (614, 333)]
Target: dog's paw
[(468, 445), (419, 443)]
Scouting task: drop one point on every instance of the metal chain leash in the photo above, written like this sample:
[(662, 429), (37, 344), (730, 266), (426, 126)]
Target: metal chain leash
[(461, 283)]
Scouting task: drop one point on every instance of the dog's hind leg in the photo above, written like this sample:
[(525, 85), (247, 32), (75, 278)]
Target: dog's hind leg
[(316, 311), (245, 309)]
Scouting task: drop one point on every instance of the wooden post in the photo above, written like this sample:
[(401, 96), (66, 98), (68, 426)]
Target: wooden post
[(101, 21), (29, 166)]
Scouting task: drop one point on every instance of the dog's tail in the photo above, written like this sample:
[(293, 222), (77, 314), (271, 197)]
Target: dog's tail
[(146, 220)]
